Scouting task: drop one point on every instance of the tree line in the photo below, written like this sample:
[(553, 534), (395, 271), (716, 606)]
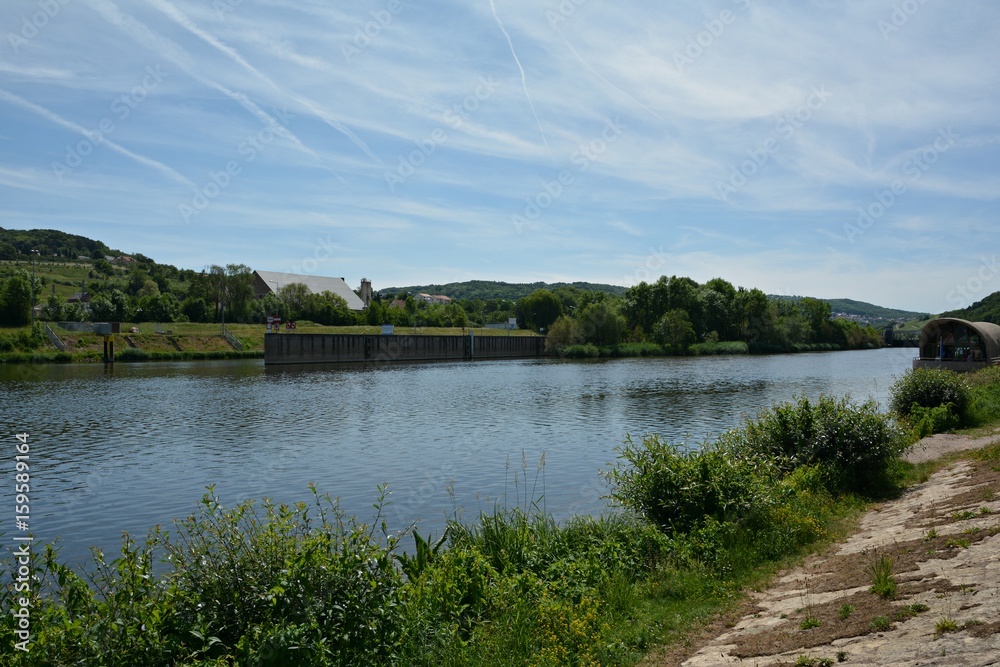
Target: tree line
[(678, 312), (672, 311)]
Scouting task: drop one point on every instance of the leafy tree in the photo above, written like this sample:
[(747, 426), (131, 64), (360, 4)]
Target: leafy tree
[(816, 312), (601, 324), (540, 309), (15, 301), (159, 308), (675, 329), (53, 309), (104, 267), (295, 295), (195, 309), (564, 332), (112, 306)]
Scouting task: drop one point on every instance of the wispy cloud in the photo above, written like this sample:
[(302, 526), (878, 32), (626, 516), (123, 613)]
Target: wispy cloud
[(52, 117)]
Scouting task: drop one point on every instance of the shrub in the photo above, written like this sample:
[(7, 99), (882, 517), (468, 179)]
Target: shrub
[(928, 388), (928, 421), (858, 446), (679, 488)]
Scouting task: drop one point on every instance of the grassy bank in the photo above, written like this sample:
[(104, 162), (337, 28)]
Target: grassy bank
[(590, 351), (263, 584)]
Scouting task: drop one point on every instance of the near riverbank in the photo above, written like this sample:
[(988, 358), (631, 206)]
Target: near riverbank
[(943, 540)]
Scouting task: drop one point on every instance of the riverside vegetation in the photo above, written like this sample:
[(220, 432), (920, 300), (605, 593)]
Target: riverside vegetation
[(261, 583), (672, 315)]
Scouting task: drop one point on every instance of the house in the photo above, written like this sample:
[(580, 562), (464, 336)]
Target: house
[(434, 298), (79, 297), (958, 345), (269, 282)]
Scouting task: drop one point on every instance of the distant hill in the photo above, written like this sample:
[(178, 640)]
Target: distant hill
[(987, 310), (18, 244), (868, 313), (490, 289)]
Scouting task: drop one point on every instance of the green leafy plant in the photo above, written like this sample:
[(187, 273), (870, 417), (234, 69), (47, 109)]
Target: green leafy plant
[(845, 611), (946, 624), (881, 623), (810, 622), (880, 573), (929, 388)]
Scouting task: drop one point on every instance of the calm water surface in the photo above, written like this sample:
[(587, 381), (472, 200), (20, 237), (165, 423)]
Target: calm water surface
[(124, 449)]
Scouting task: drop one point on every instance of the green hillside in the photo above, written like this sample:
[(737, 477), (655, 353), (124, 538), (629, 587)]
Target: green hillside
[(489, 289), (987, 310), (877, 316)]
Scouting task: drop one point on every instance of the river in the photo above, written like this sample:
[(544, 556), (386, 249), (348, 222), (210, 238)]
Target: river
[(124, 448)]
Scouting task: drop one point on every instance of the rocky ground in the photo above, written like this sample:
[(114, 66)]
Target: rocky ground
[(943, 539)]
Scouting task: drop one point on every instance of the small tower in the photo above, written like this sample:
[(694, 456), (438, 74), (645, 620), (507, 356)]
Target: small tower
[(366, 291)]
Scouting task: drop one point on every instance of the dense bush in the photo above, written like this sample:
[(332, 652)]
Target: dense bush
[(928, 421), (857, 442), (928, 388), (679, 489)]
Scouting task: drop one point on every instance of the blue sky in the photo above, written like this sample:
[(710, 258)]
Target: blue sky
[(833, 149)]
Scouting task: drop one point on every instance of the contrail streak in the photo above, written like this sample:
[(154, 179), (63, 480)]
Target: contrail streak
[(524, 79), (595, 73), (142, 34), (59, 120), (182, 20)]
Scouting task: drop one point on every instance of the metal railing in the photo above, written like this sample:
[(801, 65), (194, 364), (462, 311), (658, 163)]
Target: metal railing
[(54, 339), (231, 339)]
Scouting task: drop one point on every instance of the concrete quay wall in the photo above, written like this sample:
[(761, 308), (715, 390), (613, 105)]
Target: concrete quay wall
[(292, 348)]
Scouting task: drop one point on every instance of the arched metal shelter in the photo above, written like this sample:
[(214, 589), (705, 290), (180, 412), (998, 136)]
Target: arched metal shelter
[(959, 345)]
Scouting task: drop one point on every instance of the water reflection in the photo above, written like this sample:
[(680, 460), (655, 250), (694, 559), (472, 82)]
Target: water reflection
[(127, 448)]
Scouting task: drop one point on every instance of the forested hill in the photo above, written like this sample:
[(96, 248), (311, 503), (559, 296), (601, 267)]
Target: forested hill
[(864, 312), (489, 289), (18, 244), (987, 310)]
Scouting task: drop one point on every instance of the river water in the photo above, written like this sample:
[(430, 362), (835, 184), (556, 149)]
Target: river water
[(123, 449)]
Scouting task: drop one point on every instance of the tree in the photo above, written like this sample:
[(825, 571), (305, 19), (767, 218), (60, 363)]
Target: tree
[(816, 312), (104, 267), (675, 329), (159, 308), (564, 332), (53, 309), (295, 296), (195, 309), (540, 309), (15, 301), (111, 306), (601, 324)]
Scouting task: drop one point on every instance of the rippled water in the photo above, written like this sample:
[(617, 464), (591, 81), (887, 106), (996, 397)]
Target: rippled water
[(127, 448)]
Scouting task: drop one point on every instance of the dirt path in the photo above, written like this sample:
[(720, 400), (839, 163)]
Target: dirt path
[(943, 537)]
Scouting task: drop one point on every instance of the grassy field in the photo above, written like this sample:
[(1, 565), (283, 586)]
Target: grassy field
[(65, 276)]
